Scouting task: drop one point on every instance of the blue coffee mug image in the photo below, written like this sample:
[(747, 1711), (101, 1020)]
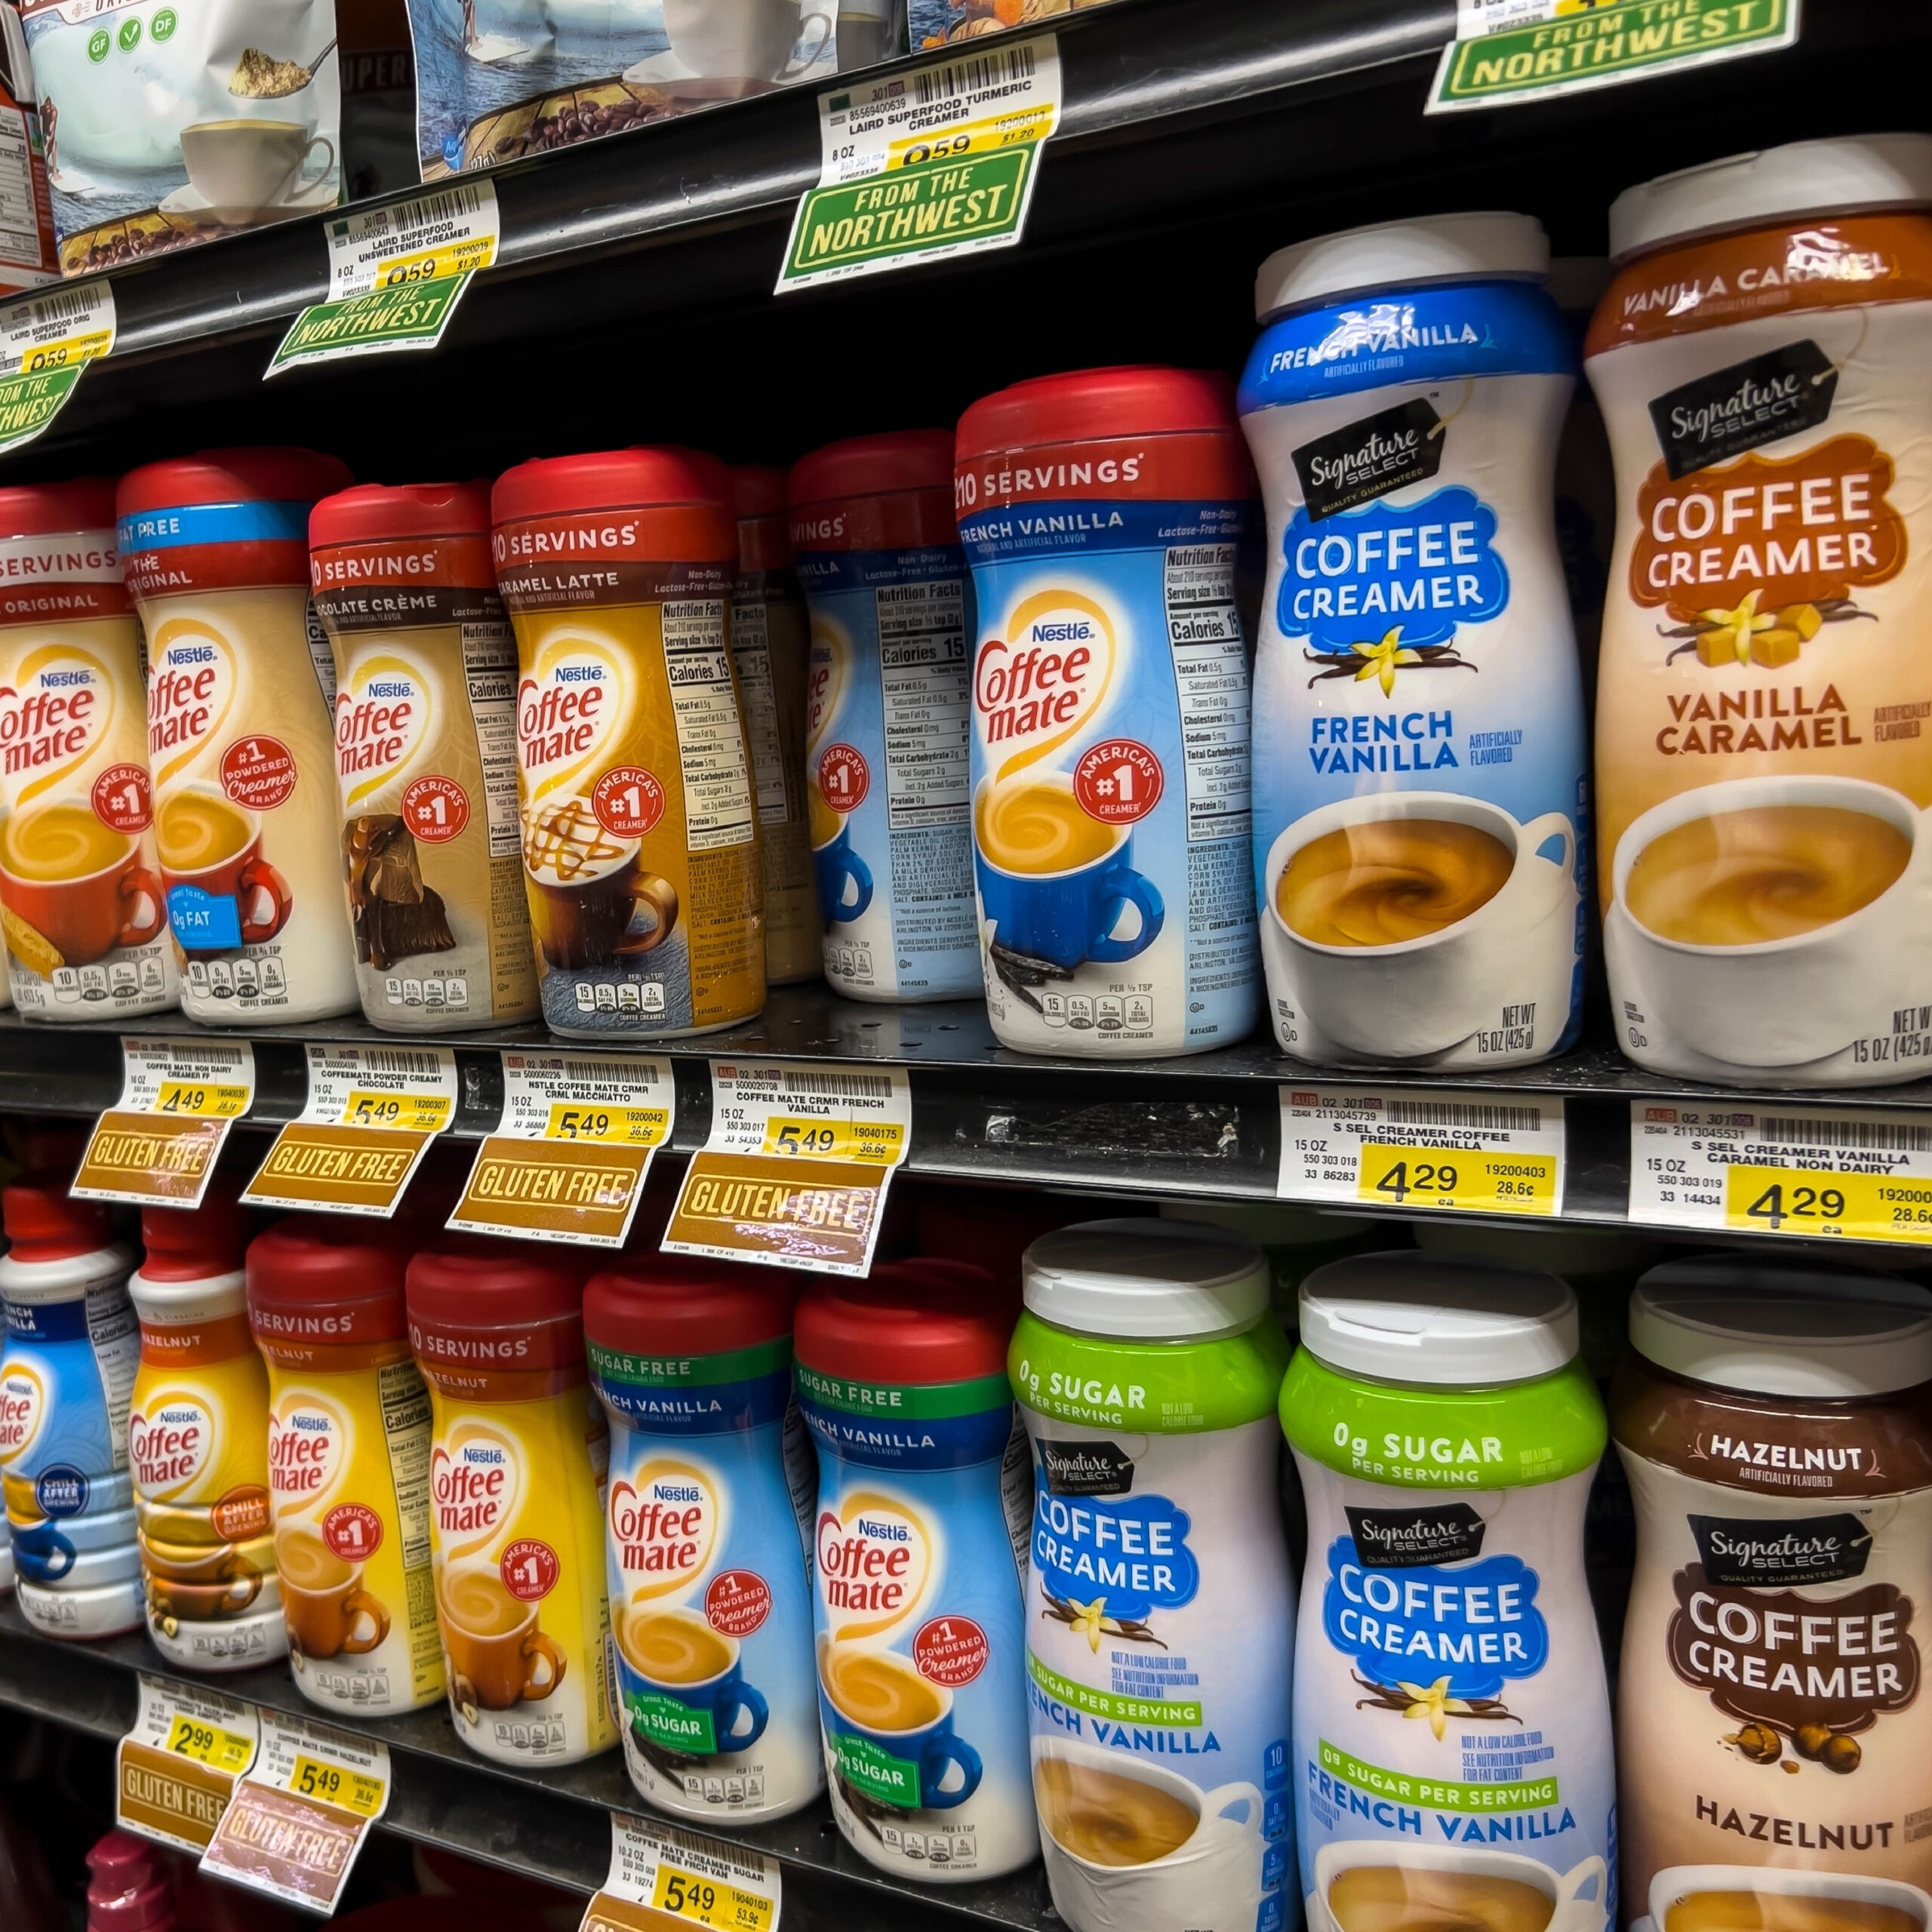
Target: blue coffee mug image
[(845, 879), (935, 1771), (1065, 917), (737, 1710), (43, 1554)]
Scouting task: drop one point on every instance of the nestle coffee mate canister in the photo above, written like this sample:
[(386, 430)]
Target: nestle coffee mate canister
[(80, 896), (517, 1477), (241, 736), (640, 854), (425, 754)]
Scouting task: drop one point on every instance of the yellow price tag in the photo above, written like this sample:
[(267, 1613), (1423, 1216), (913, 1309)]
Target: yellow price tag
[(1505, 1183), (460, 257), (418, 1113), (619, 1127), (984, 136), (209, 1744), (61, 355), (878, 1140), (1809, 1201), (201, 1099), (349, 1790), (710, 1901)]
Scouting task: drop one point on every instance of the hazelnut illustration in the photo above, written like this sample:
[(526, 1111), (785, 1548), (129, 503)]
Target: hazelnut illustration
[(1809, 1740), (1760, 1743), (1841, 1754), (1790, 1767)]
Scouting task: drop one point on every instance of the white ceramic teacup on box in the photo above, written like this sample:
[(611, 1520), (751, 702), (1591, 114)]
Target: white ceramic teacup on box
[(1580, 1898), (246, 167), (1676, 1882), (747, 40)]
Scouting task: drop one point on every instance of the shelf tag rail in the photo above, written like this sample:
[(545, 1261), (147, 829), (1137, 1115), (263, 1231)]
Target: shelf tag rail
[(160, 1141), (176, 1771), (46, 341), (1473, 1151), (569, 1157), (657, 1870), (371, 1115), (794, 1170)]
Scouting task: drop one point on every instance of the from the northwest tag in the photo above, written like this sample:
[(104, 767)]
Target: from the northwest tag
[(920, 166), (794, 1170), (175, 1771), (569, 1157), (1473, 1151), (45, 342), (657, 1870), (372, 1112), (160, 1142)]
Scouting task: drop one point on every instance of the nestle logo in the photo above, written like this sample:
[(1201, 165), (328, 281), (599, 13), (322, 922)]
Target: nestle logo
[(1061, 633)]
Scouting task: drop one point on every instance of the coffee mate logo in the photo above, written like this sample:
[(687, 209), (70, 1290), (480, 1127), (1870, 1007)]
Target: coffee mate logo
[(172, 1438), (310, 1442), (876, 1555), (473, 1483), (665, 1527), (23, 1406), (573, 708), (58, 708), (384, 711), (193, 676), (1037, 687), (828, 671)]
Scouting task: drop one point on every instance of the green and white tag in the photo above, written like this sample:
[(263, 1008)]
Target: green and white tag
[(45, 342), (396, 276), (1510, 51), (921, 166)]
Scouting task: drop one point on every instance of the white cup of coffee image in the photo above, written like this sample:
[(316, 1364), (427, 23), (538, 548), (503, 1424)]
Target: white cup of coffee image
[(1400, 923), (744, 40), (1770, 921), (1382, 1885), (244, 169), (1716, 1898), (1129, 1843)]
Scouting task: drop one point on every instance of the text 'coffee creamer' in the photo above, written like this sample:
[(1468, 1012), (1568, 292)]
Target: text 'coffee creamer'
[(516, 1495), (1419, 793), (80, 899), (350, 1437), (1160, 1609), (240, 731), (1102, 514), (1776, 1733), (707, 1535), (1764, 861), (425, 754), (876, 546), (641, 852)]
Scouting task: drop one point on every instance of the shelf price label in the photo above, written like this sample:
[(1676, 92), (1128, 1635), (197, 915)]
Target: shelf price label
[(160, 1141), (568, 1159), (923, 165), (1472, 1152), (371, 1114), (660, 1869), (1848, 1174), (794, 1170), (175, 1771), (297, 1822), (45, 342)]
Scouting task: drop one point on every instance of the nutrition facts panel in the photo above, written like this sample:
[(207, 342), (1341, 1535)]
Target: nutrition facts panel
[(718, 794), (1210, 676), (489, 668), (20, 226), (751, 651), (922, 658)]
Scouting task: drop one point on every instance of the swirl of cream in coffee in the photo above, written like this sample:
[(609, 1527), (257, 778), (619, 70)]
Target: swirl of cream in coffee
[(1389, 880)]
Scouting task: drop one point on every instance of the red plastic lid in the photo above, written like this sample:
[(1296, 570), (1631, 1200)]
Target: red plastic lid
[(758, 490), (478, 1302), (872, 466), (190, 1244), (683, 1305), (43, 1224), (376, 513), (126, 1888), (52, 509), (276, 476), (921, 1321), (1130, 401), (317, 1278), (610, 480)]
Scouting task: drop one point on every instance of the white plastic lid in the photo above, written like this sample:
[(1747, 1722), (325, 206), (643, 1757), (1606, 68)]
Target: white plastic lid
[(169, 1304), (1769, 1330), (1856, 175), (1424, 1317), (1567, 1251), (1155, 1280), (66, 1279), (1437, 248), (1268, 1225)]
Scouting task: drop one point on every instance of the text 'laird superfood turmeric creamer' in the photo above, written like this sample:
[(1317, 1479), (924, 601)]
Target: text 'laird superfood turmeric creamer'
[(81, 898), (349, 1446), (641, 852), (516, 1484), (240, 731), (1765, 863)]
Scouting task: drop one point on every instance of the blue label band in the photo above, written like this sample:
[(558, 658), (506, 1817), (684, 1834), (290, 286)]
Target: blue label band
[(214, 523), (1051, 529), (203, 921)]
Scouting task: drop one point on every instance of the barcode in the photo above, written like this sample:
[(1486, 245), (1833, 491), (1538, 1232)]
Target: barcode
[(1465, 1113), (62, 309), (1892, 1136), (409, 219), (632, 1072), (400, 1060), (961, 77), (840, 1086)]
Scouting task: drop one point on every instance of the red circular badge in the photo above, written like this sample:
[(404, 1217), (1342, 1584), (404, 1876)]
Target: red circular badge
[(258, 772), (1118, 781), (122, 798), (627, 802), (353, 1530), (241, 1514), (951, 1650), (435, 809), (844, 777), (528, 1569), (737, 1602)]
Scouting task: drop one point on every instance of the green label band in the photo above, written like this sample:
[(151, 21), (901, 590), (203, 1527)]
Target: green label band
[(671, 1725), (893, 1781), (1102, 1704), (1434, 1794), (1153, 1388), (914, 1402), (706, 1371)]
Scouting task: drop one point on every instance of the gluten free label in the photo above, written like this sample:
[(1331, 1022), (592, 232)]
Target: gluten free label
[(160, 1141), (175, 1771)]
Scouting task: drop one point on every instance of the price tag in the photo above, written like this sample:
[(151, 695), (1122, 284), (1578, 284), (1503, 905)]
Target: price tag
[(161, 1140), (660, 1869), (175, 1771), (372, 1112), (569, 1157), (794, 1170), (45, 342), (1851, 1174), (297, 1822), (1472, 1152), (923, 165)]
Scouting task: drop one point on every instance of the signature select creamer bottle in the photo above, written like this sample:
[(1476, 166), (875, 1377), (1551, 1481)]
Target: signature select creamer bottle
[(1452, 1760), (1160, 1603)]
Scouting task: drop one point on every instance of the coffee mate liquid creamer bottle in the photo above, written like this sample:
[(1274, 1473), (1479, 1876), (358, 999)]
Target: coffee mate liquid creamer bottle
[(197, 1443), (350, 1437), (425, 754), (887, 770), (919, 1556), (81, 900), (1451, 1762), (1103, 514), (516, 1486), (707, 1535), (1764, 864), (241, 736), (73, 1346), (1420, 783), (640, 852)]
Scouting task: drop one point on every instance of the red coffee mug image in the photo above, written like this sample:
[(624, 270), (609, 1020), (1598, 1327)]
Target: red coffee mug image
[(78, 883), (221, 892)]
